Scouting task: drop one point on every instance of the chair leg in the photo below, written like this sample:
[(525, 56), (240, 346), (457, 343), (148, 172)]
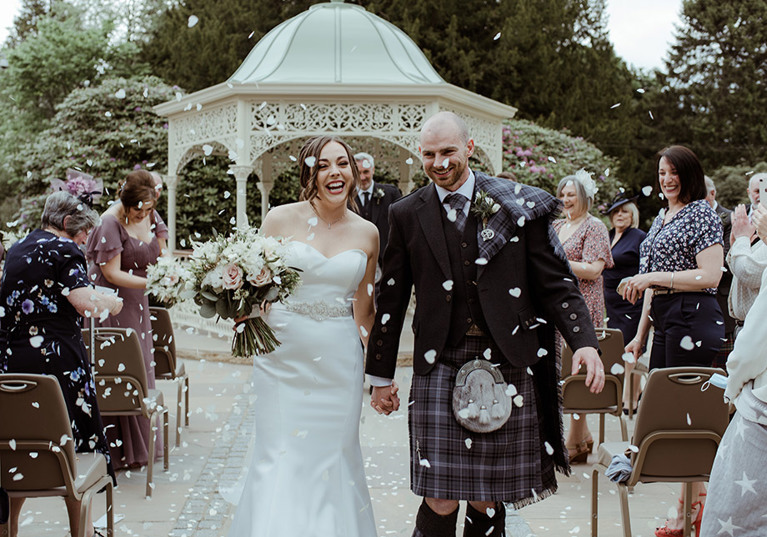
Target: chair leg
[(150, 463), (165, 453), (110, 510), (625, 517), (186, 400), (594, 502), (687, 509), (180, 387), (624, 430), (601, 428)]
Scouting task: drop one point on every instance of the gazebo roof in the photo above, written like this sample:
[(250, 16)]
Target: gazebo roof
[(336, 43)]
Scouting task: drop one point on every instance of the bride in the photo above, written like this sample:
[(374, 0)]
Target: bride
[(306, 477)]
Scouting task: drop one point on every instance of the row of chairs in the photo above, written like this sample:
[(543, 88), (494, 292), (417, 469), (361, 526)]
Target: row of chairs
[(36, 440), (679, 425)]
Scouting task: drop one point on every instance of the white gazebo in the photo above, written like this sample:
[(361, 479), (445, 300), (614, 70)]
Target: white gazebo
[(334, 69)]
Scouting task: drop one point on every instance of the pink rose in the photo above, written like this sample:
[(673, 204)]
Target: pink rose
[(264, 278), (232, 277)]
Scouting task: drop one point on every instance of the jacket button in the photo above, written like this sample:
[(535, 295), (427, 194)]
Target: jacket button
[(448, 298), (468, 321), (573, 316), (467, 263), (378, 356), (384, 329), (576, 329), (565, 305), (379, 343), (464, 245)]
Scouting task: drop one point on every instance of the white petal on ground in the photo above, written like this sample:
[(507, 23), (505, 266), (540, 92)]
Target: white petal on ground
[(193, 20)]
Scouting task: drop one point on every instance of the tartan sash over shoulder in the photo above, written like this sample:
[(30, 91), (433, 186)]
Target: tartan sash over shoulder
[(519, 204)]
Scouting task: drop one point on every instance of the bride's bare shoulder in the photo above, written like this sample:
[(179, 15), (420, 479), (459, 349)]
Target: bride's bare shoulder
[(282, 220)]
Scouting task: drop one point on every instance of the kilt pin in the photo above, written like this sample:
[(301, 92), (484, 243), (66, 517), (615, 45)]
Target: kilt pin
[(499, 296)]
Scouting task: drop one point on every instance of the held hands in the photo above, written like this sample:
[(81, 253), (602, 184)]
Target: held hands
[(595, 370), (118, 306), (384, 399)]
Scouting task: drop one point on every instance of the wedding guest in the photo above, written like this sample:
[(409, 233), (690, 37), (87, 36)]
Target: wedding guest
[(487, 283), (587, 248), (723, 289), (738, 482), (747, 260), (374, 199), (679, 268), (155, 222), (119, 250), (625, 239), (754, 191), (45, 292)]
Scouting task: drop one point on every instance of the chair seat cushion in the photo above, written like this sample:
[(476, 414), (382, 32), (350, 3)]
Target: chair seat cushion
[(89, 468)]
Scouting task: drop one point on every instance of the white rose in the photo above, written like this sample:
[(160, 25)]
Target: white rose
[(262, 278)]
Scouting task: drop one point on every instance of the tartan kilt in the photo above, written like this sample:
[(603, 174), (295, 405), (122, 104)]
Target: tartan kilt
[(450, 462)]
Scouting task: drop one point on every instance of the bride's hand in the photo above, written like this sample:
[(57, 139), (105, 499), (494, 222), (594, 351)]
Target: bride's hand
[(385, 399)]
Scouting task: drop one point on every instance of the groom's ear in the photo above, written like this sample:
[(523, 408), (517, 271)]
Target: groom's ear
[(470, 146)]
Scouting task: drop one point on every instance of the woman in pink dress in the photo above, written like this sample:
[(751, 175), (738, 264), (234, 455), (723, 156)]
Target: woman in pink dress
[(119, 251), (587, 247)]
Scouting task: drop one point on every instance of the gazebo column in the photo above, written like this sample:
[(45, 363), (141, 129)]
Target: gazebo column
[(171, 182), (266, 182), (405, 169), (241, 174)]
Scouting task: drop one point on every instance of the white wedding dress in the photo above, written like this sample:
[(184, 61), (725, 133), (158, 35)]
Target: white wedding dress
[(306, 477)]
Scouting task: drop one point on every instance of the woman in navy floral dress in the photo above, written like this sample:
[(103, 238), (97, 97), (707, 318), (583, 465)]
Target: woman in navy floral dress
[(44, 293), (680, 265)]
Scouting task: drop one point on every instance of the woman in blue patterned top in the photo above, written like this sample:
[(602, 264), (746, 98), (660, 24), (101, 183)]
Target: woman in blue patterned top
[(680, 265)]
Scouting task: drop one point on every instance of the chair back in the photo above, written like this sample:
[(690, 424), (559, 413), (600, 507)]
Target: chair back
[(35, 435), (119, 371), (164, 343), (576, 396), (679, 425)]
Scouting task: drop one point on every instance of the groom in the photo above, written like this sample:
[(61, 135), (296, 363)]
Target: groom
[(492, 285)]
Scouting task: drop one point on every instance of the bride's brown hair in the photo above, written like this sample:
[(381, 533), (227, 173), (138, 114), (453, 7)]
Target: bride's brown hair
[(308, 174)]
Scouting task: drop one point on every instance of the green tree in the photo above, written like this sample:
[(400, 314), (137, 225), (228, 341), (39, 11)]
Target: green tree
[(206, 49), (106, 131), (714, 98), (45, 67)]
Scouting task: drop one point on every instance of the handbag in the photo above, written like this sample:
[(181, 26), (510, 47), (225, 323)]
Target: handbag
[(480, 401)]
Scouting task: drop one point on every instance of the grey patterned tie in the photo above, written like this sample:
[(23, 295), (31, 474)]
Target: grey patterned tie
[(457, 202)]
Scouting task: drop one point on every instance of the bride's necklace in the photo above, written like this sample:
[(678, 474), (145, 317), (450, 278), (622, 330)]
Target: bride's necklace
[(329, 224)]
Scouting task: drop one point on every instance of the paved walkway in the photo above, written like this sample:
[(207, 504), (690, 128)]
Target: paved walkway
[(187, 502)]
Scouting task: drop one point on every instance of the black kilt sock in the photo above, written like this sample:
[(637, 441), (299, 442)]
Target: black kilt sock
[(478, 524), (430, 524)]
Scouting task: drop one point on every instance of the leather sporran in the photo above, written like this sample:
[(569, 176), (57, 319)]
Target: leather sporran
[(480, 401)]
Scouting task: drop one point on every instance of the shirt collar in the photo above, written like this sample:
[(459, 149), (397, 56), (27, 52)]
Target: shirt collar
[(467, 189), (369, 190)]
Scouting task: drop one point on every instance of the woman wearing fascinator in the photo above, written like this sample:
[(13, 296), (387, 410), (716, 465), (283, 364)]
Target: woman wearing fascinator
[(625, 239), (587, 247)]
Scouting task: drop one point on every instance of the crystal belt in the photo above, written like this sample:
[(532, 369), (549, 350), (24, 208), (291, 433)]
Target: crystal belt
[(320, 310)]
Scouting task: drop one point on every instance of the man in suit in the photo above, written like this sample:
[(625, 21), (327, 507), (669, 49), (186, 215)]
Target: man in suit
[(723, 290), (754, 192), (489, 283), (374, 200)]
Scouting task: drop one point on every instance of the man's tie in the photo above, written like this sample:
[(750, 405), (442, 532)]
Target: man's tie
[(457, 202), (366, 204)]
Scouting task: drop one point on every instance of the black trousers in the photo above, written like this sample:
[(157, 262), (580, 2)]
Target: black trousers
[(689, 330)]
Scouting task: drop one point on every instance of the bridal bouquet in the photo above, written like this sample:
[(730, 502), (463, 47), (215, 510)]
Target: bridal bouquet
[(237, 276), (167, 279)]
